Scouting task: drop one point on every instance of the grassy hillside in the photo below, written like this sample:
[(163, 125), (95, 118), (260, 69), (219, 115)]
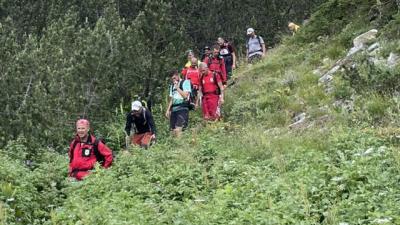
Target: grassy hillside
[(291, 150)]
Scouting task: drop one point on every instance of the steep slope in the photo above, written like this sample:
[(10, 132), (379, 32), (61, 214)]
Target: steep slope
[(293, 148)]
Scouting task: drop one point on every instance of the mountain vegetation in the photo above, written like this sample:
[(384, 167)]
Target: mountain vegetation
[(310, 135)]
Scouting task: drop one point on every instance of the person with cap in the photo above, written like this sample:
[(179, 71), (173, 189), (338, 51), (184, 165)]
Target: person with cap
[(178, 107), (206, 52), (255, 47), (145, 128), (85, 151)]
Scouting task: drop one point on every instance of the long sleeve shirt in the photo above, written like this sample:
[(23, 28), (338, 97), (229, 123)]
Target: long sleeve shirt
[(143, 123)]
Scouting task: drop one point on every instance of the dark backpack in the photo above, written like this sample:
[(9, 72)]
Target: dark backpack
[(99, 157), (191, 102), (144, 115)]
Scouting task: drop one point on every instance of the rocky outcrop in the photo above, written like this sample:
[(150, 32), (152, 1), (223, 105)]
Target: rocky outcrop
[(393, 60), (360, 43)]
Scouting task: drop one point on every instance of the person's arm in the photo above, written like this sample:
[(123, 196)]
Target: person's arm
[(264, 49), (183, 93), (234, 60), (128, 125), (168, 112), (223, 70), (199, 92), (221, 95), (221, 88), (233, 50), (150, 120), (107, 153)]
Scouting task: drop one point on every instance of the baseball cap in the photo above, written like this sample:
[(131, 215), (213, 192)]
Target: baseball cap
[(250, 30), (136, 105)]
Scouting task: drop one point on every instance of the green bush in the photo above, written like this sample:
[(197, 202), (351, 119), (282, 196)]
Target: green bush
[(28, 194)]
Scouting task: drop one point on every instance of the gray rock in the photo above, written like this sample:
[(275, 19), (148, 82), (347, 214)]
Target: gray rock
[(317, 72), (354, 50), (299, 117), (379, 62), (373, 47), (346, 105), (374, 52), (386, 220), (364, 38), (393, 60), (326, 78), (359, 44), (299, 121)]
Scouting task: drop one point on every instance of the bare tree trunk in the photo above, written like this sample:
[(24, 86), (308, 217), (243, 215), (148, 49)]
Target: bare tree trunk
[(28, 88)]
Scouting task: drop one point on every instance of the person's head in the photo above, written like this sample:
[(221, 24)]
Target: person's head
[(250, 32), (136, 108), (207, 50), (82, 128), (220, 41), (203, 68), (216, 49), (174, 76), (193, 62), (190, 54)]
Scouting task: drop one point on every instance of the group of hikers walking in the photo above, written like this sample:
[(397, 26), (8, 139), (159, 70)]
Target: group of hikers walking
[(200, 84)]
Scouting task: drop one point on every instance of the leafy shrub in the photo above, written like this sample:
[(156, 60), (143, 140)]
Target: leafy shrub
[(29, 194), (367, 76), (342, 89)]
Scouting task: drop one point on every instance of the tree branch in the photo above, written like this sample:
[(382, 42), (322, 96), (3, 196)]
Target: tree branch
[(23, 103)]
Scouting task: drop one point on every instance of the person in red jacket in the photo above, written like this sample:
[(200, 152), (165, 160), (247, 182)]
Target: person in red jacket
[(212, 92), (85, 151), (192, 74), (216, 63)]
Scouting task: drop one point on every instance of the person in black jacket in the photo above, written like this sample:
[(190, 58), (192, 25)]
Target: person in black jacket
[(145, 128)]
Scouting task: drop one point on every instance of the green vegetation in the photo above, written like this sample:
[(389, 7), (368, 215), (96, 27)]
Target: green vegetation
[(340, 165), (64, 59)]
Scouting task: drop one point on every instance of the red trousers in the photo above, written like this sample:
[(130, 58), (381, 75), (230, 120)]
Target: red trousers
[(210, 107), (142, 139)]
